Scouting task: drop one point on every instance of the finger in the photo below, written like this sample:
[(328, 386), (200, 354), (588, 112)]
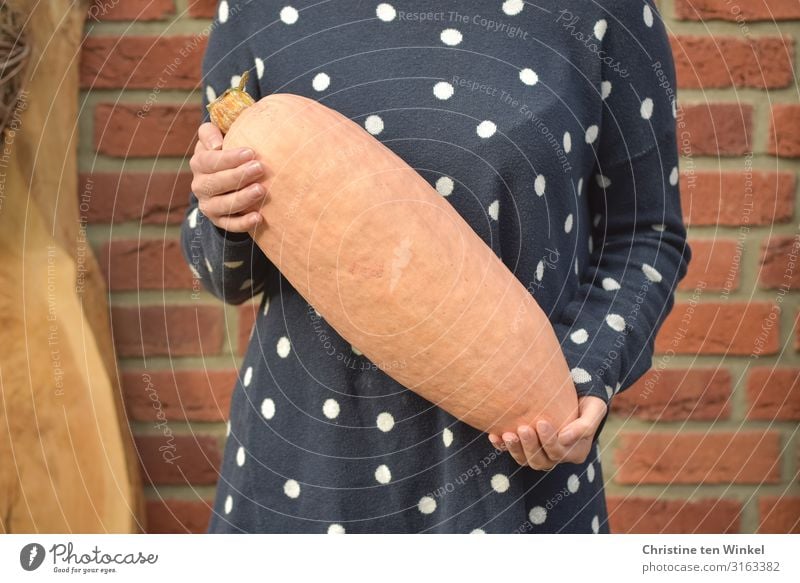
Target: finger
[(592, 411), (515, 448), (225, 181), (234, 203), (497, 442), (549, 439), (210, 135), (211, 161), (534, 452), (239, 224)]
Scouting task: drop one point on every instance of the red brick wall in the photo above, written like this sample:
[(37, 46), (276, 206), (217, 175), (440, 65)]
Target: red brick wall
[(706, 442)]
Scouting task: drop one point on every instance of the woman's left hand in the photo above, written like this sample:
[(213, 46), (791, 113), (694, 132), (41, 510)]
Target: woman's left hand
[(543, 448)]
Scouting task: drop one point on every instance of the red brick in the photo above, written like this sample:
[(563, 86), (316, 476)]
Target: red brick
[(172, 516), (737, 198), (695, 457), (721, 328), (180, 395), (155, 63), (779, 259), (175, 331), (156, 198), (146, 264), (170, 459), (773, 394), (727, 61), (637, 515), (779, 515), (140, 10), (783, 131), (247, 318), (129, 130), (715, 265), (672, 395), (203, 8), (736, 11), (717, 129)]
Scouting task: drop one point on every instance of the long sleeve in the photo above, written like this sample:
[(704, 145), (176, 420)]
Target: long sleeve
[(640, 252), (229, 265)]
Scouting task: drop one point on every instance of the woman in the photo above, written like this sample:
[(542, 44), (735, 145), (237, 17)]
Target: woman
[(551, 129)]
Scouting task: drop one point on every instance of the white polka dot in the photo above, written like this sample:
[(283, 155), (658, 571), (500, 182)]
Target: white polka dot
[(568, 223), (291, 488), (223, 12), (647, 108), (590, 472), (659, 227), (247, 283), (283, 347), (356, 351), (674, 109), (259, 67), (591, 134), (537, 515), (208, 266), (651, 272), (602, 181), (240, 455), (609, 393), (540, 270), (610, 284), (385, 12), (579, 336), (383, 475), (426, 505), (580, 375), (321, 81), (447, 437), (235, 80), (232, 264), (450, 36), (268, 408), (227, 428), (596, 219), (616, 389), (211, 95), (494, 209), (528, 76), (673, 176), (605, 89), (576, 266), (330, 408), (567, 142), (248, 376), (266, 304), (385, 422), (616, 322), (595, 524), (580, 187), (445, 185), (600, 28), (486, 129), (500, 483), (289, 15), (443, 90), (648, 16), (194, 271), (228, 504), (374, 124), (336, 529), (539, 184), (573, 483), (477, 531), (193, 217), (513, 7)]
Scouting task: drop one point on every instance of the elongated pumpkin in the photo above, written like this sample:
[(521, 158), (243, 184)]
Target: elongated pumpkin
[(394, 268)]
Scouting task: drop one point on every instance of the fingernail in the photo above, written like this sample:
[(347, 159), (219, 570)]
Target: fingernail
[(245, 154), (254, 167), (216, 144), (524, 431), (258, 190)]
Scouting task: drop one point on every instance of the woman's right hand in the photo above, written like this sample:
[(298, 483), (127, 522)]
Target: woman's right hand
[(224, 182)]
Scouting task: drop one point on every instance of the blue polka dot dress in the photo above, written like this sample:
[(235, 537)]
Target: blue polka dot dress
[(551, 128)]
